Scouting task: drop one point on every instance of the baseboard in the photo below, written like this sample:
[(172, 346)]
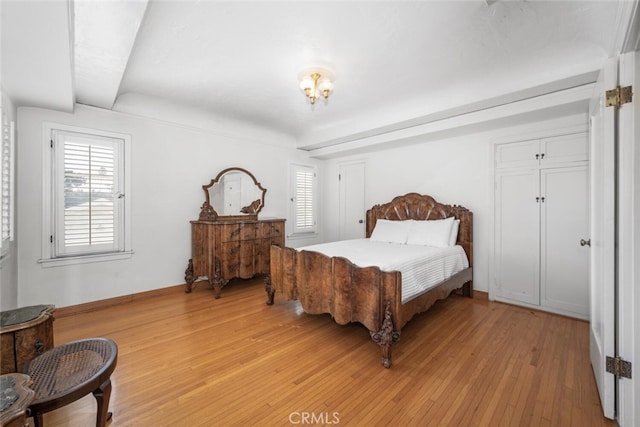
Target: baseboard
[(109, 302), (540, 309), (481, 295)]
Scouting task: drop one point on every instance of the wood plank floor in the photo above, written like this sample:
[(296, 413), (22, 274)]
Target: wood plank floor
[(191, 360)]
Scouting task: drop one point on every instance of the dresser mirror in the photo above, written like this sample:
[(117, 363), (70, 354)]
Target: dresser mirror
[(233, 194)]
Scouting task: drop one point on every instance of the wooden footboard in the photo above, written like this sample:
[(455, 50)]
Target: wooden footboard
[(334, 285), (350, 293)]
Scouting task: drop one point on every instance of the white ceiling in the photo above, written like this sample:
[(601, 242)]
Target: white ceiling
[(397, 63)]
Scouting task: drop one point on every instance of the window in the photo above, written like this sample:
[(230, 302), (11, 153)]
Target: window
[(7, 199), (87, 204), (303, 178)]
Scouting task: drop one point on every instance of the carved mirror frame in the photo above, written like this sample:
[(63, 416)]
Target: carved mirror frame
[(207, 211)]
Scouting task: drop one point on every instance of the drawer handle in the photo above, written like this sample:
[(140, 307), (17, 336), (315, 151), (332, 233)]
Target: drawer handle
[(39, 346)]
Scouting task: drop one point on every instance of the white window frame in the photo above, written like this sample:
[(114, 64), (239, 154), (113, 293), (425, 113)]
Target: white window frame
[(52, 252), (7, 159), (296, 228)]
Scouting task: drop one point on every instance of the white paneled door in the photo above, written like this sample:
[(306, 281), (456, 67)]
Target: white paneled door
[(628, 413), (352, 210), (564, 240), (602, 254), (517, 236), (541, 218)]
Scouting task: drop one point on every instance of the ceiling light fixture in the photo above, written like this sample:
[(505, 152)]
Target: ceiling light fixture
[(316, 82)]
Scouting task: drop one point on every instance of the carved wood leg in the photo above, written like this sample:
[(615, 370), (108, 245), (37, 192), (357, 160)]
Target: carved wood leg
[(102, 395), (386, 336), (189, 278), (467, 289), (217, 282), (269, 290), (38, 420)]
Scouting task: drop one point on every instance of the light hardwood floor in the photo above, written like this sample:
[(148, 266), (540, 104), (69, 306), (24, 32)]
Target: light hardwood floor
[(191, 360)]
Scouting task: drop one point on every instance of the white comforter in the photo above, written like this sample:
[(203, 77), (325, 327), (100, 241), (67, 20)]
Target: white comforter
[(422, 267)]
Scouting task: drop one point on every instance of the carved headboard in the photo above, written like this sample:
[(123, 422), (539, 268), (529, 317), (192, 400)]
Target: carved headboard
[(421, 207)]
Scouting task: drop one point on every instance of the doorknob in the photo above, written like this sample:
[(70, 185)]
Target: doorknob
[(360, 221), (585, 242)]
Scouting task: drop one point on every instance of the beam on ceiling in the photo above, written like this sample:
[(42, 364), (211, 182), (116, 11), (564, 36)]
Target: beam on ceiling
[(105, 33), (557, 104)]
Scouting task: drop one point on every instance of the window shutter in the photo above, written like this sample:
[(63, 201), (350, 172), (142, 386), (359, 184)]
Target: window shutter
[(304, 199), (88, 207), (7, 181)]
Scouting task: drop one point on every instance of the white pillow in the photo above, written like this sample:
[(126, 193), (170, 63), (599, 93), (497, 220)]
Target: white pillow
[(391, 231), (454, 232), (436, 232)]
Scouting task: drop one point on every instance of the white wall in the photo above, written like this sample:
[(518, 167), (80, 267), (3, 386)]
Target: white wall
[(170, 163), (454, 171)]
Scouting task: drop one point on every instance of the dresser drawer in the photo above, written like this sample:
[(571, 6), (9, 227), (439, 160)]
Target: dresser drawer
[(269, 229), (236, 232)]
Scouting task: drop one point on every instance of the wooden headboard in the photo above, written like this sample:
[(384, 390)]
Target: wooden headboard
[(421, 207)]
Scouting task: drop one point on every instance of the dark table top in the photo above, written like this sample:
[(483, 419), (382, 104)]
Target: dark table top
[(15, 396), (22, 315)]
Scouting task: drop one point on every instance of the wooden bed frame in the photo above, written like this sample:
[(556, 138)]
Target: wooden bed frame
[(368, 295)]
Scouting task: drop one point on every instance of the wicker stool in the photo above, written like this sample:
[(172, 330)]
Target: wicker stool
[(68, 372)]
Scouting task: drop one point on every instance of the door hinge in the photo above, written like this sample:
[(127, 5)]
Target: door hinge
[(618, 367), (618, 96)]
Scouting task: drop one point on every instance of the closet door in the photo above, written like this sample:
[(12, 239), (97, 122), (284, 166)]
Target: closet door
[(564, 150), (564, 280), (517, 258), (522, 154)]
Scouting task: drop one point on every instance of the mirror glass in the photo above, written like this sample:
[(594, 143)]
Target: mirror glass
[(235, 192)]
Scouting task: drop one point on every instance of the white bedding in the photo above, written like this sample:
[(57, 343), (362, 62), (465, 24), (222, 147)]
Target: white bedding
[(422, 267)]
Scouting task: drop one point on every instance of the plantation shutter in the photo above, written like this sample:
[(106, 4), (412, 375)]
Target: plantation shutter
[(7, 181), (304, 195), (88, 205)]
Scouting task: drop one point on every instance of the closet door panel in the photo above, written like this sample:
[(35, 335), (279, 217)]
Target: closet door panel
[(564, 218), (517, 236), (564, 149), (518, 154)]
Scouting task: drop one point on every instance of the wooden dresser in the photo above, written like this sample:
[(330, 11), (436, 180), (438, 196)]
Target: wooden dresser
[(24, 334), (223, 250)]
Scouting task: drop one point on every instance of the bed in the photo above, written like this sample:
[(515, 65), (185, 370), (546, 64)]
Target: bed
[(372, 295)]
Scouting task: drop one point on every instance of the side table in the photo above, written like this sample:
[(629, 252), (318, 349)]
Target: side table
[(24, 334), (15, 398)]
